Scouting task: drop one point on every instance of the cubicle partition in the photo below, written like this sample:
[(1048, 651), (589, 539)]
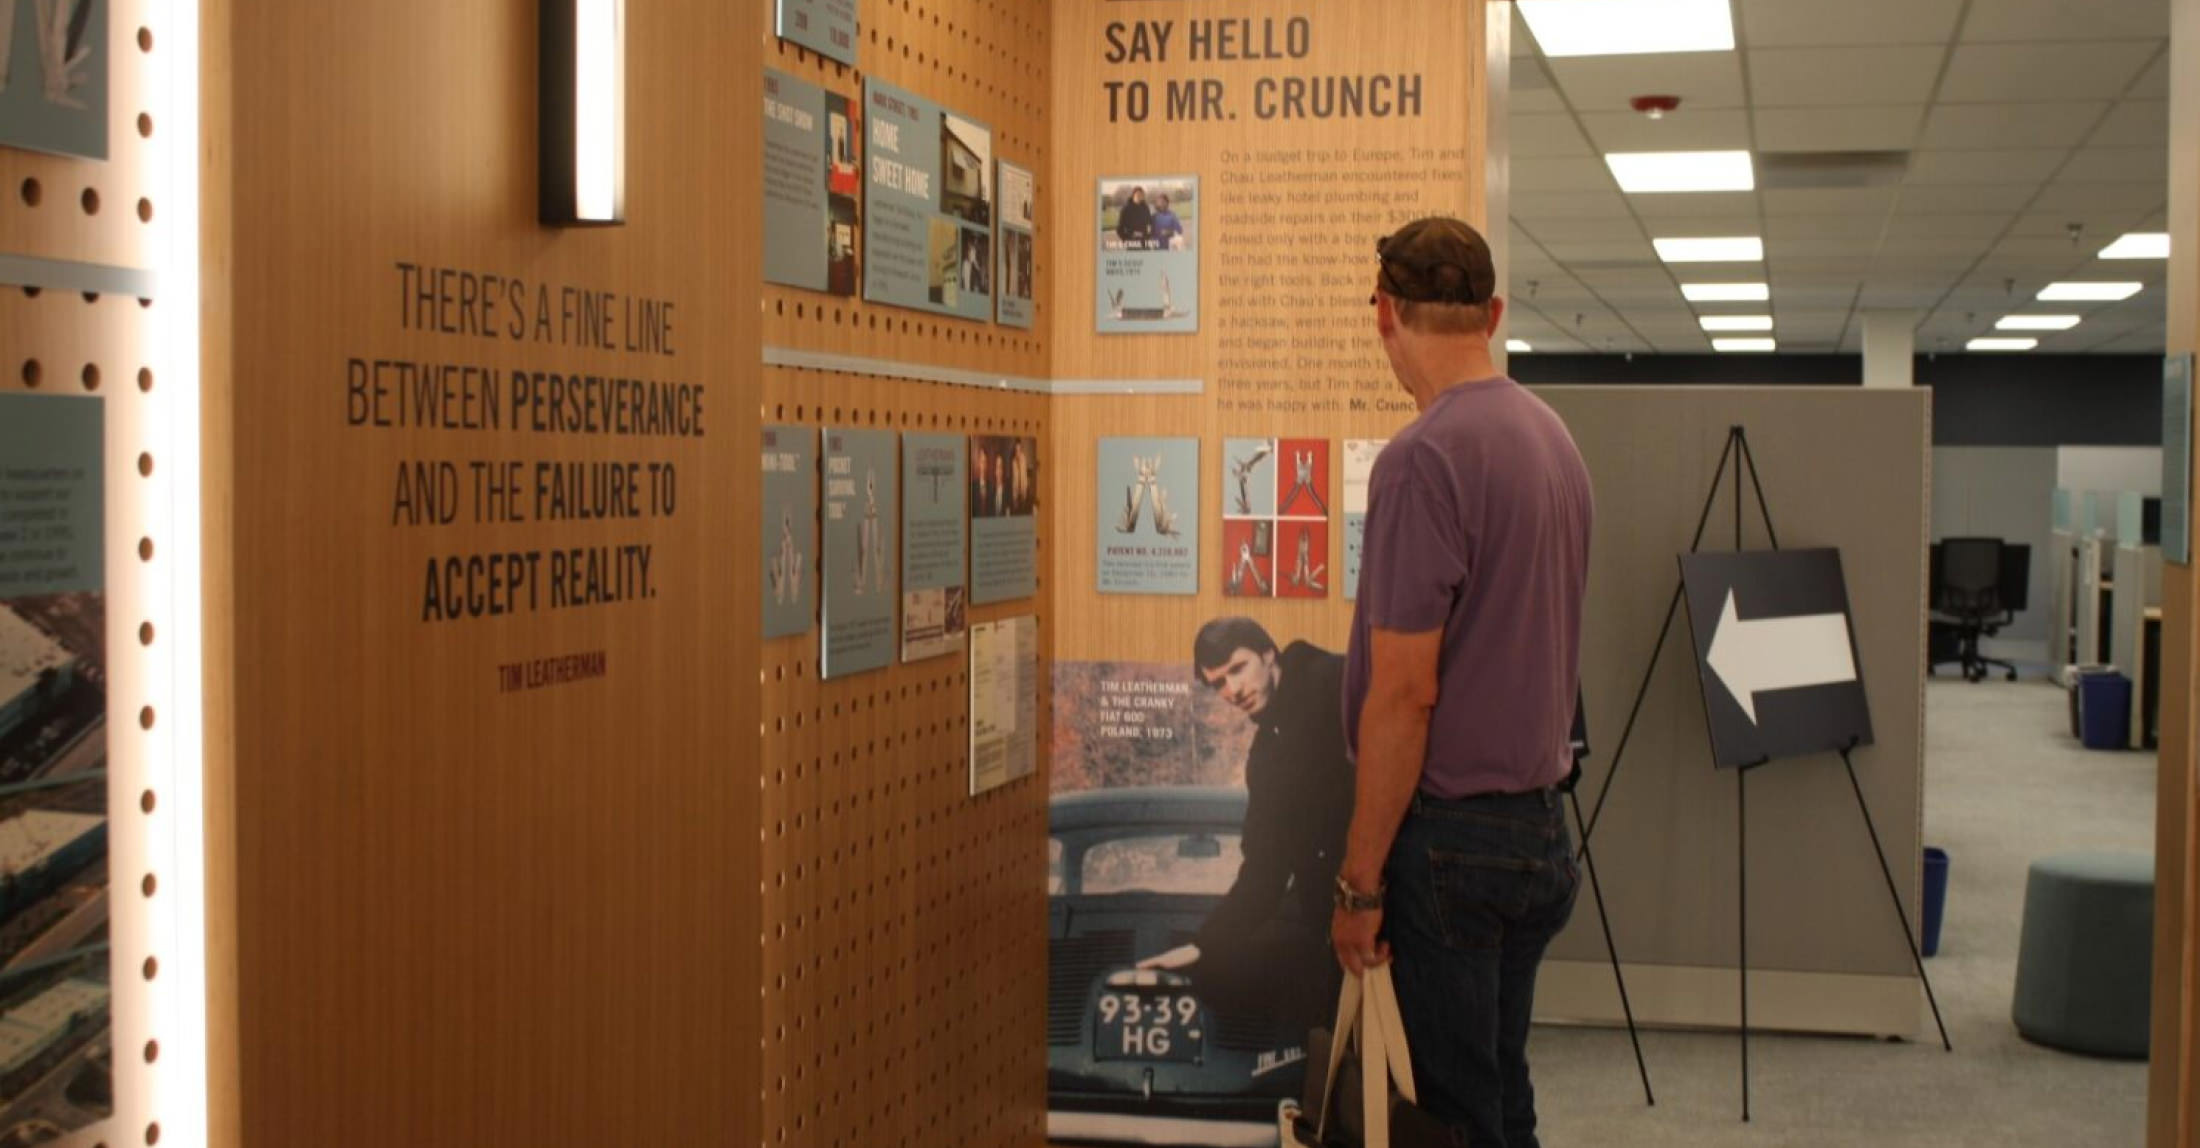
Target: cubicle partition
[(1841, 467)]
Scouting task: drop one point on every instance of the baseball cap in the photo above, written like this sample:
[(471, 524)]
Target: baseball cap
[(1437, 260)]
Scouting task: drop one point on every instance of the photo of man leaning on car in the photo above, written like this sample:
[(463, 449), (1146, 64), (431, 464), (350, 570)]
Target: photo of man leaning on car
[(1265, 947)]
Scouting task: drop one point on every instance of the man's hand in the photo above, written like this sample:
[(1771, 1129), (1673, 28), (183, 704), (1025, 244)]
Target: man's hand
[(1354, 936), (1175, 958)]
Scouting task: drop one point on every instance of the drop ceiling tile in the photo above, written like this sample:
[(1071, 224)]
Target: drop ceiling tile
[(1788, 227), (1898, 298), (1956, 249), (1843, 77), (1816, 296), (1622, 278), (1536, 101), (1707, 227), (2118, 165), (1611, 253), (1838, 129), (1589, 231), (1576, 173), (1538, 208), (2153, 84), (1847, 266), (2097, 228), (1541, 137), (1948, 226), (2134, 123), (2029, 125), (1606, 83), (1828, 201), (2001, 165), (1775, 23), (1523, 40), (2102, 196), (1689, 129), (1997, 73), (1654, 209), (1947, 200), (1992, 20), (1780, 250)]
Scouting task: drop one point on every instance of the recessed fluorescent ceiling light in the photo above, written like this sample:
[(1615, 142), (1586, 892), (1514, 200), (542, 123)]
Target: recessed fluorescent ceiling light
[(2036, 323), (2089, 292), (2001, 344), (1738, 249), (1629, 27), (2139, 245), (1725, 292), (1744, 345), (1737, 322), (1518, 346), (1641, 172)]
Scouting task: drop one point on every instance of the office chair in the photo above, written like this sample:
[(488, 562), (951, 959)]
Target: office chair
[(1968, 589)]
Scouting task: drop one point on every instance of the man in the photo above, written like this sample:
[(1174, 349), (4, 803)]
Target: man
[(1298, 786), (1460, 689)]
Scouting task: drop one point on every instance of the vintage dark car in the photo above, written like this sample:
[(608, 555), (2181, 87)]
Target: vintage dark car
[(1143, 1056)]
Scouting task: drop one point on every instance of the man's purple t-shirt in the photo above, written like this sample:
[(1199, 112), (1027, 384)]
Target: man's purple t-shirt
[(1478, 525)]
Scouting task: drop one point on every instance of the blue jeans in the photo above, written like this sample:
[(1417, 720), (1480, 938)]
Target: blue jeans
[(1478, 886)]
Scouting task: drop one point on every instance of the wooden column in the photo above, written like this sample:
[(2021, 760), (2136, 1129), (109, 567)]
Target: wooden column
[(482, 837)]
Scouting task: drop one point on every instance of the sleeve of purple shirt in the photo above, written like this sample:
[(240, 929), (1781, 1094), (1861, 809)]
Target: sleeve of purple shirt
[(1414, 564)]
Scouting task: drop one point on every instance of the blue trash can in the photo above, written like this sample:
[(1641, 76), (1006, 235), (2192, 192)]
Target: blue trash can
[(2104, 710), (1936, 900)]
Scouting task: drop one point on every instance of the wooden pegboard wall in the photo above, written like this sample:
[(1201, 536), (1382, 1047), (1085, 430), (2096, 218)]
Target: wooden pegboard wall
[(904, 922), (63, 341), (988, 59)]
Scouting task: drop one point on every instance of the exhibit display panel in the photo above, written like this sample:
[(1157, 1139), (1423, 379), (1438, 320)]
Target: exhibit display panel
[(903, 944), (101, 933), (1221, 177), (483, 605)]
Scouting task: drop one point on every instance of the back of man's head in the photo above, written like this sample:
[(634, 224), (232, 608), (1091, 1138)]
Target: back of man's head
[(1221, 638), (1440, 276)]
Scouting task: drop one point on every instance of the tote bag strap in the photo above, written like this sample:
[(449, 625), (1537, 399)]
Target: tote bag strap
[(1348, 1016), (1382, 1004), (1374, 1061)]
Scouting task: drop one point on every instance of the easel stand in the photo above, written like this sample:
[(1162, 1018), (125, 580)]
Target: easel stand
[(1738, 458), (1596, 891)]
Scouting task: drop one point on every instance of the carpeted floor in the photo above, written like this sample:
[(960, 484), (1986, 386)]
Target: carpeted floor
[(2005, 783)]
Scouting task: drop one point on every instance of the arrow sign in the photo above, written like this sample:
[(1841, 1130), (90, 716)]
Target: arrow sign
[(1776, 654), (1762, 655)]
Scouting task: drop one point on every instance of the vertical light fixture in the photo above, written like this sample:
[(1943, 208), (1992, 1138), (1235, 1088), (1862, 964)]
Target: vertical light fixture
[(583, 113)]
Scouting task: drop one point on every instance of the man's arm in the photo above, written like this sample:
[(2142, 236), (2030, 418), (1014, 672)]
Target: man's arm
[(1394, 724)]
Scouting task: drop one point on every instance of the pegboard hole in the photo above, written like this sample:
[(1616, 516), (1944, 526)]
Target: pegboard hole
[(152, 1051), (145, 39), (150, 885), (33, 193), (145, 125), (145, 379), (145, 464), (90, 376), (151, 967), (152, 1133), (33, 373), (146, 717), (90, 200), (147, 801), (145, 211), (145, 633), (145, 550)]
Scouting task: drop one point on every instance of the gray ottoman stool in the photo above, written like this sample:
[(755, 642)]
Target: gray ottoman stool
[(2085, 968)]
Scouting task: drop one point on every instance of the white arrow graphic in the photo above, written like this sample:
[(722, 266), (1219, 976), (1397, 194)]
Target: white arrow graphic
[(1767, 654)]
